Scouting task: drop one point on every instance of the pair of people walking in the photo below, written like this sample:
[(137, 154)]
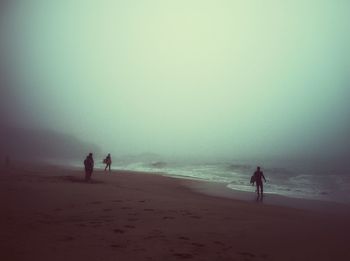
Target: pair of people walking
[(89, 165)]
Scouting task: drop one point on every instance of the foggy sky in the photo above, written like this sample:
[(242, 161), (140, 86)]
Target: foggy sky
[(225, 78)]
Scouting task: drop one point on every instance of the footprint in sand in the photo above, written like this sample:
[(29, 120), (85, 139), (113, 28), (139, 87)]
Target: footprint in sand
[(118, 231), (168, 217), (96, 202), (246, 254), (156, 233), (103, 216), (95, 222), (68, 238), (116, 246), (191, 215), (197, 244), (129, 226), (185, 213), (183, 255), (139, 249)]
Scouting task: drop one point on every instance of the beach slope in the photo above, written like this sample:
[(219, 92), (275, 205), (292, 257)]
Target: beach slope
[(50, 213)]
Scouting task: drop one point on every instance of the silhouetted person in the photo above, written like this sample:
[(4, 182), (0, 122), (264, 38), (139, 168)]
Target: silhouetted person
[(257, 178), (89, 166), (108, 161)]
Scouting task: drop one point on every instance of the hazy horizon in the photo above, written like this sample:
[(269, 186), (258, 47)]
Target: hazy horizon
[(181, 78)]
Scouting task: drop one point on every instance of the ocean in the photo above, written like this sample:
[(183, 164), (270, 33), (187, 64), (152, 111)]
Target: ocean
[(287, 179)]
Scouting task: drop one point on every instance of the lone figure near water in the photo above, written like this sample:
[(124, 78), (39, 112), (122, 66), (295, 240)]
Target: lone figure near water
[(257, 178)]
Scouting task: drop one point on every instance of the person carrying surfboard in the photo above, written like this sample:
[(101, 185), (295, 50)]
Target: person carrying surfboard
[(257, 178), (108, 162)]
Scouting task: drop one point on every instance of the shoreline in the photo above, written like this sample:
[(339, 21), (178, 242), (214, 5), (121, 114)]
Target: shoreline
[(216, 189), (324, 198), (220, 189), (213, 189), (244, 194)]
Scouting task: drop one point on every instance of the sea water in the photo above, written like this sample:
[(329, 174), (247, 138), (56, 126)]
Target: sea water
[(285, 178), (298, 182)]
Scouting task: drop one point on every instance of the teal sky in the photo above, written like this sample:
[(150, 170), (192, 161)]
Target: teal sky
[(237, 78)]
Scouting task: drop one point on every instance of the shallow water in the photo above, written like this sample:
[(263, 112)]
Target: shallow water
[(296, 181)]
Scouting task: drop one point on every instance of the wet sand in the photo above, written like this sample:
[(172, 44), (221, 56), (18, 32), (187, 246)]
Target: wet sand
[(50, 213)]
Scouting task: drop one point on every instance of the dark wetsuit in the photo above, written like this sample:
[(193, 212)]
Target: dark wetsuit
[(259, 175), (89, 167), (108, 162)]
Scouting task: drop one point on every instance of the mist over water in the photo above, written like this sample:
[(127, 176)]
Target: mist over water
[(191, 81)]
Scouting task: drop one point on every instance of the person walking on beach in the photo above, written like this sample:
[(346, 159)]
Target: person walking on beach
[(257, 178), (89, 166), (108, 162)]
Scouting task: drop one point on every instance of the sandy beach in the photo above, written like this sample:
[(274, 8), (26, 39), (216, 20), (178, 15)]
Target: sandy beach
[(50, 213)]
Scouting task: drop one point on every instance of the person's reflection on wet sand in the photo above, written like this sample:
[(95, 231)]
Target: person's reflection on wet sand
[(260, 198)]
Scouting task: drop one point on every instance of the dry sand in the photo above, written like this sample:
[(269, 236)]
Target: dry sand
[(49, 213)]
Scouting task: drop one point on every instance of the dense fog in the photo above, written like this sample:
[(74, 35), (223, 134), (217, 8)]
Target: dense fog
[(190, 79)]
